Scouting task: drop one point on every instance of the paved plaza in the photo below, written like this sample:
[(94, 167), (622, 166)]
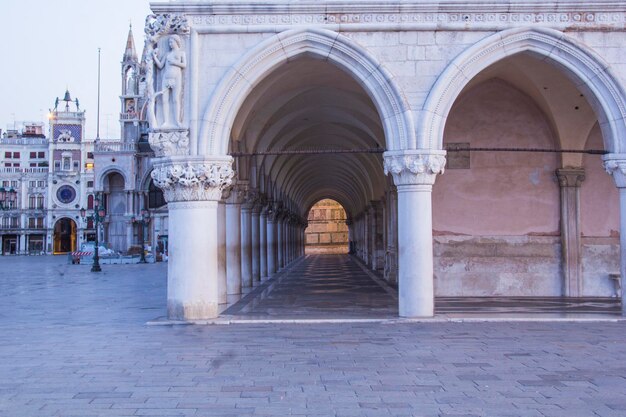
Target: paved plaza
[(75, 343)]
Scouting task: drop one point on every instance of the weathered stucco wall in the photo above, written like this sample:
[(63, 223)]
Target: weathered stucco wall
[(496, 224), (327, 231), (599, 201)]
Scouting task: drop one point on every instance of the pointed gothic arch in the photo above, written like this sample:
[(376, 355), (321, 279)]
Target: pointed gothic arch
[(588, 71), (321, 44)]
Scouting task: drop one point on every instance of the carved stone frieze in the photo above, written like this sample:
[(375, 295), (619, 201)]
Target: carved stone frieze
[(615, 165), (158, 25), (169, 142), (414, 167), (195, 180)]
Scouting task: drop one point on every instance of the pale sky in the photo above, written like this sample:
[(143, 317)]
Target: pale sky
[(50, 45)]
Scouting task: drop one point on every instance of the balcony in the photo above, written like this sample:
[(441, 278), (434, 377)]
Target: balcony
[(23, 141), (114, 147), (129, 116), (38, 170)]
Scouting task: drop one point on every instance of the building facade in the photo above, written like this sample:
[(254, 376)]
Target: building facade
[(259, 109)]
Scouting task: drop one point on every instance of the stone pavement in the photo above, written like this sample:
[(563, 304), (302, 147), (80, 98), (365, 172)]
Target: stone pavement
[(75, 343)]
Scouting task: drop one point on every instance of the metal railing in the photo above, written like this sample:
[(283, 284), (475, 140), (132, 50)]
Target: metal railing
[(42, 170), (23, 141)]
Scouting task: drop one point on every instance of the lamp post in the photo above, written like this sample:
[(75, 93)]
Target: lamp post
[(144, 221), (7, 198), (97, 216)]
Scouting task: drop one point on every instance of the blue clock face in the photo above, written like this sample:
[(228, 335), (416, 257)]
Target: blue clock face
[(66, 194)]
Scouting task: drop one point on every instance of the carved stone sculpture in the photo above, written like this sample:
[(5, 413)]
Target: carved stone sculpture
[(193, 180), (169, 143), (415, 167)]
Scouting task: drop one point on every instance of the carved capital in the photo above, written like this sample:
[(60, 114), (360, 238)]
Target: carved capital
[(570, 177), (414, 167), (236, 194), (193, 179), (615, 165), (158, 25), (169, 142)]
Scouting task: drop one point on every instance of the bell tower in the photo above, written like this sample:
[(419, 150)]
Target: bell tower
[(130, 97)]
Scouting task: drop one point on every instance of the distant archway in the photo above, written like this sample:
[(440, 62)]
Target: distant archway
[(327, 232), (64, 236)]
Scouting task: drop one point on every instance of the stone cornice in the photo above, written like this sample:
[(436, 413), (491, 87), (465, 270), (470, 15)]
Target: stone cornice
[(416, 167), (444, 14)]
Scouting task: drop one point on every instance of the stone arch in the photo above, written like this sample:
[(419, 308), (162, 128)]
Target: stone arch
[(113, 170), (588, 70), (323, 44)]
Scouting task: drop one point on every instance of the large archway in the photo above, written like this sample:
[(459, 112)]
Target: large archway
[(509, 219), (64, 236)]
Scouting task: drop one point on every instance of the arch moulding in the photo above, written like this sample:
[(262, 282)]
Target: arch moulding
[(588, 71), (240, 80), (113, 170)]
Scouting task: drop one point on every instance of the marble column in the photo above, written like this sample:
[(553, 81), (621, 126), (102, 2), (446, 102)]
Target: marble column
[(391, 252), (233, 240), (263, 234), (280, 241), (246, 245), (272, 256), (256, 245), (221, 253), (615, 165), (414, 174), (570, 180), (192, 186)]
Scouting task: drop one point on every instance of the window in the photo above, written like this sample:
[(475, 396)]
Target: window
[(16, 164), (31, 222), (32, 184), (57, 165), (155, 196), (33, 155), (33, 165), (32, 201), (5, 222), (14, 184), (40, 202), (7, 165), (90, 155), (89, 184), (40, 184), (16, 155), (42, 164), (5, 184), (39, 222), (7, 155), (67, 164), (41, 155), (76, 165), (90, 202), (14, 222)]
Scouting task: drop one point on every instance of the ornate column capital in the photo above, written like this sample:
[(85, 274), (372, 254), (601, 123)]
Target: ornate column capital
[(173, 142), (236, 194), (615, 165), (413, 167), (570, 177), (193, 178)]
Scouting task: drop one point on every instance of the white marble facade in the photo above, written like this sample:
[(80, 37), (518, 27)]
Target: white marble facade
[(228, 81)]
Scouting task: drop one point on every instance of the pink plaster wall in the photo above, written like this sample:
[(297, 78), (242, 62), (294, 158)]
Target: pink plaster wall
[(503, 193), (599, 198)]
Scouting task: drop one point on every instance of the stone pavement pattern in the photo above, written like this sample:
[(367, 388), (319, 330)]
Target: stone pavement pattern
[(74, 343)]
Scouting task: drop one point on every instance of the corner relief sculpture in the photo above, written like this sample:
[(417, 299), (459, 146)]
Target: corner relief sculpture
[(615, 165), (165, 62), (194, 181), (414, 167)]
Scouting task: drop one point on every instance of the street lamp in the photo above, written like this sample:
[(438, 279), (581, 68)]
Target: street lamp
[(97, 217), (144, 221), (7, 198)]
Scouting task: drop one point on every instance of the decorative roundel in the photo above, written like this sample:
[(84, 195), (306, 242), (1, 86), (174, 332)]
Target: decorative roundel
[(66, 194)]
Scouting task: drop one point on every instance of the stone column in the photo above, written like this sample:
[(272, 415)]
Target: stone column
[(233, 240), (246, 245), (272, 256), (256, 244), (570, 180), (615, 164), (192, 187), (391, 252), (414, 174), (221, 253), (263, 232), (280, 241)]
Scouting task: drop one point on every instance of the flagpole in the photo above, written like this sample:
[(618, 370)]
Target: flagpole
[(98, 115)]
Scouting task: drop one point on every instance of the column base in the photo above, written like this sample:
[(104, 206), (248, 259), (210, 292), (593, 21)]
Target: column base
[(191, 311)]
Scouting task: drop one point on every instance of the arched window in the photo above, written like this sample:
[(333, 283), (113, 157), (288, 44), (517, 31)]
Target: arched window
[(90, 201), (155, 196)]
